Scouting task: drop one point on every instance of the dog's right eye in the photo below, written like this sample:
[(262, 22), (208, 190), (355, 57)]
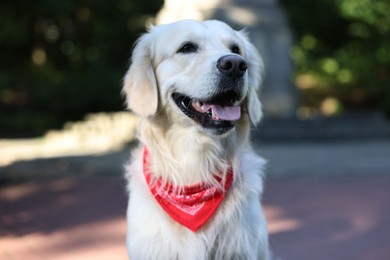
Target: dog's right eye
[(188, 47)]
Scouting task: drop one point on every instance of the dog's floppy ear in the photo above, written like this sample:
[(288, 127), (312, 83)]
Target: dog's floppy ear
[(140, 85), (255, 71)]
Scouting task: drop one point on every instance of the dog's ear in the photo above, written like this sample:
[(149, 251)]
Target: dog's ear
[(255, 73), (140, 84)]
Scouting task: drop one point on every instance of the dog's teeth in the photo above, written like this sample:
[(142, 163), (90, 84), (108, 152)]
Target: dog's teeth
[(197, 105), (214, 116)]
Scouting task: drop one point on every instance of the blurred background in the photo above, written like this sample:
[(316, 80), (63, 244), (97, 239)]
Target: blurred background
[(61, 60), (64, 135)]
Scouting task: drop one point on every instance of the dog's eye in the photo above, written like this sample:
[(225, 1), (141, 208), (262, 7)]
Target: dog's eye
[(235, 49), (188, 47)]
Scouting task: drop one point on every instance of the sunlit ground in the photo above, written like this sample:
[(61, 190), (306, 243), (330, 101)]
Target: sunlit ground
[(98, 133)]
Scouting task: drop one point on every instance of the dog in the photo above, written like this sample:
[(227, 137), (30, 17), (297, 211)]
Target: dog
[(194, 181)]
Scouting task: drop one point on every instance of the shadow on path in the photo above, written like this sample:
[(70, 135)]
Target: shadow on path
[(328, 217), (47, 206)]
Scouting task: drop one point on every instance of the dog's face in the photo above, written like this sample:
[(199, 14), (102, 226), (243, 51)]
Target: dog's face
[(200, 73)]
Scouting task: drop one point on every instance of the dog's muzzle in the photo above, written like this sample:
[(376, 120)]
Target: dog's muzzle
[(219, 112)]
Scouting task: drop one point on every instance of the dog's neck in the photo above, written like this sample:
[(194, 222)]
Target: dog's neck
[(186, 156)]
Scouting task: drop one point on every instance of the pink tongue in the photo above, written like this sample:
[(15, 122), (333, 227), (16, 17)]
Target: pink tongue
[(227, 113)]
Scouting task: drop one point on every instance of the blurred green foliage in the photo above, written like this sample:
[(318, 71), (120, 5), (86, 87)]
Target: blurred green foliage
[(60, 59), (342, 50)]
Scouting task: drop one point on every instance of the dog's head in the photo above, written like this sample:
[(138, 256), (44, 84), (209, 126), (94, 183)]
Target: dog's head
[(204, 73)]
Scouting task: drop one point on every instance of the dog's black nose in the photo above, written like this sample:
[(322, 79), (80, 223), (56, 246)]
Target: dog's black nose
[(232, 65)]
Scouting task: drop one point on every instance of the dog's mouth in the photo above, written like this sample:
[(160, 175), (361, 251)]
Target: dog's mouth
[(217, 113)]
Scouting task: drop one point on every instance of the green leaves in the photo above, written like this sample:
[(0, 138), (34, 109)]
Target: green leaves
[(66, 57), (342, 47)]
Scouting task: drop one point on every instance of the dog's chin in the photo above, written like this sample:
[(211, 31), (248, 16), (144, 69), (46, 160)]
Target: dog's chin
[(216, 115)]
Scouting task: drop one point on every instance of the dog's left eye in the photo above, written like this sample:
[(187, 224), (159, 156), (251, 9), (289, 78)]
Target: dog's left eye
[(188, 47), (235, 49)]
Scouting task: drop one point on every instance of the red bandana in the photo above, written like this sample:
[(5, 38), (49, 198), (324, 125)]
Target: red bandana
[(191, 206)]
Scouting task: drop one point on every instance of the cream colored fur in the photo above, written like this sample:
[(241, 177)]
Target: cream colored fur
[(183, 153)]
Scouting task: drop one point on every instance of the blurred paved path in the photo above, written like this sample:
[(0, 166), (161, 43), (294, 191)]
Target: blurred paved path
[(322, 201), (335, 157)]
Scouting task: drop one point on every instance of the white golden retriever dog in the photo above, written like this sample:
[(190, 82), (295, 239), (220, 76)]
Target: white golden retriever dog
[(195, 183)]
